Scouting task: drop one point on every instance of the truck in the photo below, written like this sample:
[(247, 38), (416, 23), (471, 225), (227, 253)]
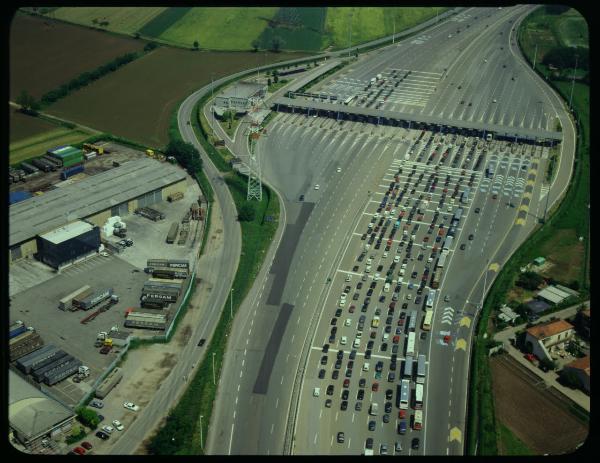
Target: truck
[(111, 380), (29, 168), (175, 196), (50, 368), (70, 171), (64, 372), (173, 232), (169, 273), (149, 290), (48, 363), (418, 420), (155, 297), (94, 298), (67, 301), (435, 280), (43, 165)]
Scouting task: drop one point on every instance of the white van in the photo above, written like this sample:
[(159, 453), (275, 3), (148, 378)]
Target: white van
[(343, 340), (386, 336), (374, 409), (356, 344), (348, 278), (386, 288), (316, 392), (366, 366)]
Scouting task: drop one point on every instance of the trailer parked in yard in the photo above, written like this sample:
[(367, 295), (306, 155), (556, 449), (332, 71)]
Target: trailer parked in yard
[(95, 298), (173, 232), (24, 344), (155, 296), (30, 361), (29, 168), (152, 304), (62, 373), (148, 290), (169, 263), (67, 301), (149, 213), (69, 172), (175, 196), (113, 378), (56, 356), (16, 329), (169, 273), (56, 365), (43, 165)]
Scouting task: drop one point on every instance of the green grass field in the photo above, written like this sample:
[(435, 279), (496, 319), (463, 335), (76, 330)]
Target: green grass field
[(37, 145), (510, 444), (220, 28), (164, 20), (124, 20), (572, 30), (372, 23)]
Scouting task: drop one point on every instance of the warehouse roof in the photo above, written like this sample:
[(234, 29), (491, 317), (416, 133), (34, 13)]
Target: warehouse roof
[(30, 411), (546, 330), (94, 194), (553, 294), (67, 232)]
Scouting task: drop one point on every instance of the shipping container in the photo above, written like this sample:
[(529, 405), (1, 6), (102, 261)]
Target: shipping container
[(150, 290), (113, 378), (52, 367), (175, 196), (56, 162), (15, 341), (145, 324), (162, 282), (173, 232), (155, 296), (64, 372), (16, 329), (29, 361), (169, 273), (43, 165), (29, 168), (69, 172), (81, 297), (169, 263), (150, 304), (95, 298), (72, 162), (32, 344), (41, 360), (67, 301)]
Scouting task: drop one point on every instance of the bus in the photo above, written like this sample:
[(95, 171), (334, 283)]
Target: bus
[(427, 320), (410, 344), (402, 394), (430, 298), (418, 397), (457, 215), (412, 322), (421, 368), (408, 367), (349, 99), (464, 197), (447, 243), (435, 280), (442, 260)]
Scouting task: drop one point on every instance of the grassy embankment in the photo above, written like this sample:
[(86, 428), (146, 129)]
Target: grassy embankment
[(559, 235)]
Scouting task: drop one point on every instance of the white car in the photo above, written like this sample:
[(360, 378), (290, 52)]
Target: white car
[(339, 169), (348, 322), (343, 296), (108, 429), (104, 254), (343, 340), (316, 392), (396, 259), (117, 424), (317, 186), (131, 406)]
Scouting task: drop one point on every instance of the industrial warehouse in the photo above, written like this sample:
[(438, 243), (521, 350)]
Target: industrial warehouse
[(118, 191)]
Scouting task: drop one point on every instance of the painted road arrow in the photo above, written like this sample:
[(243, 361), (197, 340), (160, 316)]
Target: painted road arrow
[(461, 344), (455, 435), (465, 321)]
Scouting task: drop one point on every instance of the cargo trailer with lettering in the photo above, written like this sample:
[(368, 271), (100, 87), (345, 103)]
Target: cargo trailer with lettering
[(33, 360), (113, 378)]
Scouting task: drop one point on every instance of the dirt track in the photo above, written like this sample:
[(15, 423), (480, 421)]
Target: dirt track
[(536, 415)]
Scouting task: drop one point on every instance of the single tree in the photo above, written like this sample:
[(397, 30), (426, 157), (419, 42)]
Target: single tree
[(27, 102), (196, 45), (247, 213), (275, 44), (255, 45), (570, 379), (269, 81)]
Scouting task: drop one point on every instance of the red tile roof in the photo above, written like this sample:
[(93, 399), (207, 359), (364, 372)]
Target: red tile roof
[(546, 330), (582, 363)]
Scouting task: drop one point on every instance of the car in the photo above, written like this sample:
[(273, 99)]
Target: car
[(201, 342), (352, 354), (345, 394), (321, 373), (328, 403), (346, 383), (369, 443), (330, 389), (415, 443), (372, 425), (100, 418), (324, 360), (338, 364), (360, 395), (423, 335), (463, 246), (362, 382), (301, 198), (131, 406), (388, 406), (338, 312), (128, 243), (368, 354), (117, 424), (102, 435), (104, 254), (402, 414), (447, 339), (108, 429), (401, 428), (386, 418), (358, 406), (375, 386), (123, 243), (325, 348), (96, 403), (317, 186), (105, 350), (471, 237), (352, 308), (388, 395), (398, 446), (79, 450), (477, 210), (340, 437), (334, 321)]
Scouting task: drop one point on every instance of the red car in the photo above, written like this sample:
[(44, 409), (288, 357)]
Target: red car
[(351, 309), (346, 383), (402, 414), (375, 387), (447, 339), (79, 451), (396, 339), (530, 357), (86, 445)]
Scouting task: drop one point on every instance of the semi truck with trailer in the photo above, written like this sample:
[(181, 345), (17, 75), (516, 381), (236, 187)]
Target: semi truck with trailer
[(93, 299), (67, 302), (169, 263)]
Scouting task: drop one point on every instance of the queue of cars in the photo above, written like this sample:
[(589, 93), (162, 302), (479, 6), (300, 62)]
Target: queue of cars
[(389, 280)]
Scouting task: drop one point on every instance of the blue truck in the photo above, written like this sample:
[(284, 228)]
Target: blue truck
[(66, 173)]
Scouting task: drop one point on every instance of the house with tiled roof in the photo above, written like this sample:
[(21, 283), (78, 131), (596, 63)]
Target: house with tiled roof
[(549, 337), (581, 368)]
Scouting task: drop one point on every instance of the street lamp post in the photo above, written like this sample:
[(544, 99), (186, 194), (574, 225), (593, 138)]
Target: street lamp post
[(231, 304)]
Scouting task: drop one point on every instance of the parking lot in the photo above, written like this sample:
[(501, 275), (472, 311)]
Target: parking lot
[(415, 215)]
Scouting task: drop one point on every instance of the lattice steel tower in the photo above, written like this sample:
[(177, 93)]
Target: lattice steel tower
[(254, 174)]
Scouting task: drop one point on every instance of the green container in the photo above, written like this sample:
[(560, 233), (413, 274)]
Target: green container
[(72, 161)]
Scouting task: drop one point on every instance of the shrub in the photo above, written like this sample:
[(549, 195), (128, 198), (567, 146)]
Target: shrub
[(247, 213)]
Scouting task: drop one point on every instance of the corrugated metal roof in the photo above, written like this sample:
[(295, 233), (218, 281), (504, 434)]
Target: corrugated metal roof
[(97, 193), (242, 90), (551, 296), (30, 411)]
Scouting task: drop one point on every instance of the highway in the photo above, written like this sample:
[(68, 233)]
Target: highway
[(291, 306)]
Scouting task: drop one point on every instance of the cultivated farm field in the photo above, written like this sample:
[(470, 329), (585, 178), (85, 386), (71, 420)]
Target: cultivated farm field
[(536, 416), (45, 54), (371, 23), (220, 28), (125, 20), (22, 126), (137, 101)]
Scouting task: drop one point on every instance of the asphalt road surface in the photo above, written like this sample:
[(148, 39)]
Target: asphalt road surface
[(277, 344)]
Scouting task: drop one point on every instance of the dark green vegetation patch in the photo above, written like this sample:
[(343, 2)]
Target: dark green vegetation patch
[(163, 21), (295, 29)]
